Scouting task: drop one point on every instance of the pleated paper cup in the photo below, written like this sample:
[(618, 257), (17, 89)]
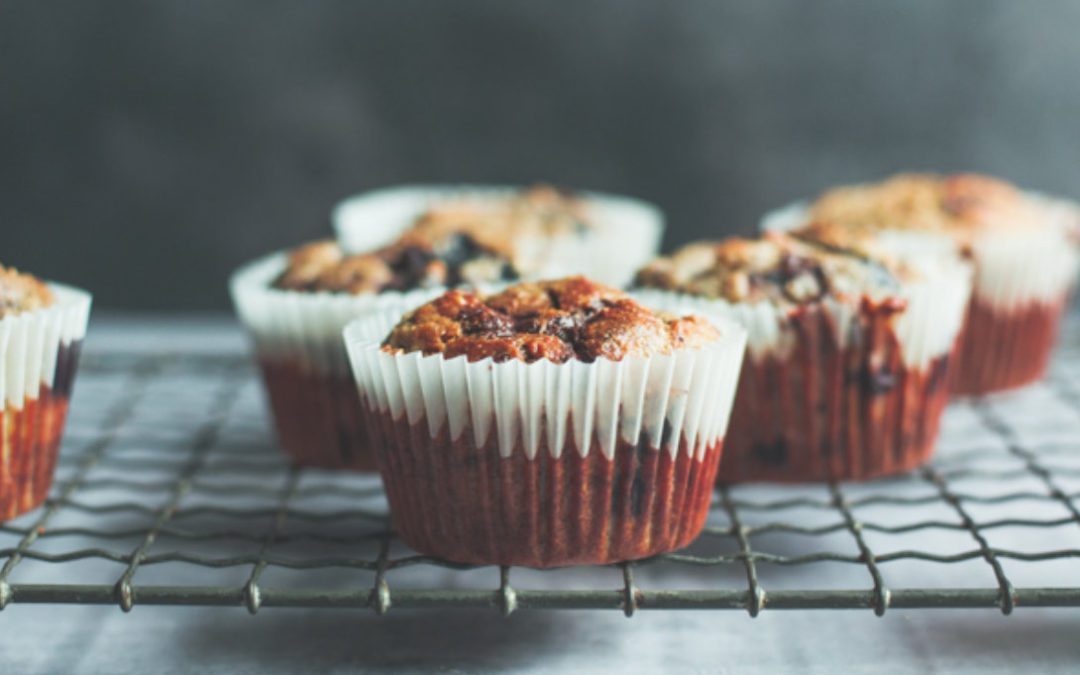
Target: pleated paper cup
[(1023, 284), (297, 340), (1023, 279), (546, 464), (844, 391), (625, 233), (39, 354)]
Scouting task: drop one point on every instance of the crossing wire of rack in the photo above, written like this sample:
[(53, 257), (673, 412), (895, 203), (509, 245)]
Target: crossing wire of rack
[(171, 491)]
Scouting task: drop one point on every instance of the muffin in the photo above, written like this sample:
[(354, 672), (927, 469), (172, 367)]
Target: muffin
[(553, 423), (1023, 247), (551, 232), (42, 327), (296, 304), (848, 365)]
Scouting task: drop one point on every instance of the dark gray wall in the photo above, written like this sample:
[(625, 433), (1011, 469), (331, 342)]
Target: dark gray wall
[(147, 147)]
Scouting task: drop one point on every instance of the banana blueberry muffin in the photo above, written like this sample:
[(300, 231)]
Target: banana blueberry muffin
[(554, 423), (848, 359), (42, 327), (1023, 247), (297, 305)]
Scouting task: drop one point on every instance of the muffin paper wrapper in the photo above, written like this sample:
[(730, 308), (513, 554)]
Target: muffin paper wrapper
[(1001, 351), (39, 352), (309, 383), (833, 390), (1022, 284), (1020, 290), (470, 505), (625, 232), (828, 412), (546, 464), (1013, 269)]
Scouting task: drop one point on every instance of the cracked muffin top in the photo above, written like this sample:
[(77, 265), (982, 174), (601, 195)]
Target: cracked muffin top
[(572, 318), (959, 204), (448, 258), (774, 268), (21, 292)]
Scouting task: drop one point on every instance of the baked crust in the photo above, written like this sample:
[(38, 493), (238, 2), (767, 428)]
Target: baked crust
[(775, 268), (457, 241), (497, 222), (416, 260), (572, 318), (20, 292), (957, 203)]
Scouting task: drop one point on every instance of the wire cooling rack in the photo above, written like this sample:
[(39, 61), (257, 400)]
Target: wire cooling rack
[(171, 492)]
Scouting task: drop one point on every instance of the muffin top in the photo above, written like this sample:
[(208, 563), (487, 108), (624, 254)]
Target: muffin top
[(572, 318), (497, 221), (22, 293), (900, 251), (416, 260), (469, 240), (774, 268), (958, 204)]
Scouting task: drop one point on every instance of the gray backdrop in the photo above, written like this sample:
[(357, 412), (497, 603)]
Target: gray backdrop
[(148, 147)]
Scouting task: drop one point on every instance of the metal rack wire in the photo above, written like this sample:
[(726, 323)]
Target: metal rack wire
[(170, 492)]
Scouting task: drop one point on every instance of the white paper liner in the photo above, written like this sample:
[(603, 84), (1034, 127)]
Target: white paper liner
[(625, 232), (306, 327), (930, 324), (926, 328), (662, 400), (30, 344), (1014, 268), (1019, 267)]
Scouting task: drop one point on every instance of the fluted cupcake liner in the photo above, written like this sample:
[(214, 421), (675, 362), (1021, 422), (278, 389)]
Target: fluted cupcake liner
[(546, 464), (309, 384), (839, 390), (1022, 289), (624, 233), (39, 353), (1022, 280), (1002, 350), (826, 411)]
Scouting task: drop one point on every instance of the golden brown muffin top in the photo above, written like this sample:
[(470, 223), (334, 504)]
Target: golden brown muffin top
[(774, 268), (416, 260), (22, 293), (497, 221), (572, 318), (957, 204)]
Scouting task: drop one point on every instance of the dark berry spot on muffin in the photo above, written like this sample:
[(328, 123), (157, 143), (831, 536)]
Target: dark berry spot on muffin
[(774, 452), (411, 266), (877, 381)]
